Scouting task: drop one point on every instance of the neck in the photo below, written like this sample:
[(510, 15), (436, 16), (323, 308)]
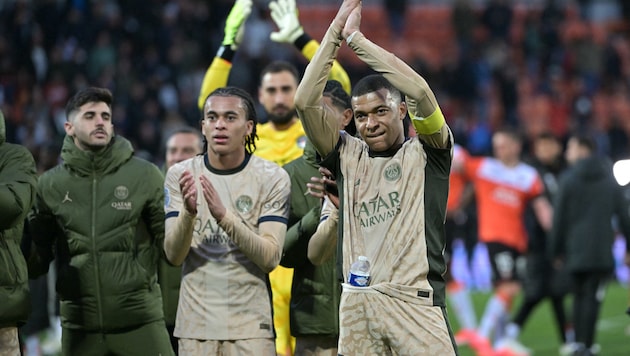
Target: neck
[(226, 161), (511, 162)]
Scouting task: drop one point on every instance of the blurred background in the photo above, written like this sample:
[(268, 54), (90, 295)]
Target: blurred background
[(537, 65)]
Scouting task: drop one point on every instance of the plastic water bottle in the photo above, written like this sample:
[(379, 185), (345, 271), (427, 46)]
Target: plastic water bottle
[(360, 272)]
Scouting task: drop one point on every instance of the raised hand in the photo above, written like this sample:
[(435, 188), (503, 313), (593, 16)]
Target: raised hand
[(344, 11), (285, 15), (353, 22), (189, 192), (234, 24), (324, 186), (217, 209)]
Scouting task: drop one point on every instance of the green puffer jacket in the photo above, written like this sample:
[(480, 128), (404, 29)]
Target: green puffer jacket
[(103, 214), (17, 192), (316, 291)]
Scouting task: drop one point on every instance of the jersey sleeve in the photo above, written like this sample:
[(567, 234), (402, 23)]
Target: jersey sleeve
[(172, 194), (336, 72), (319, 122), (263, 247)]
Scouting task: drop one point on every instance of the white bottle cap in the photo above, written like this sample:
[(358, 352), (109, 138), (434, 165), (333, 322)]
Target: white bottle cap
[(363, 258)]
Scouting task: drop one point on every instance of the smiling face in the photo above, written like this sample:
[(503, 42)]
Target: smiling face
[(379, 119), (91, 126), (226, 126)]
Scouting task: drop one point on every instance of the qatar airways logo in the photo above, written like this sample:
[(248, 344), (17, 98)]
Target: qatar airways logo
[(211, 233), (377, 211)]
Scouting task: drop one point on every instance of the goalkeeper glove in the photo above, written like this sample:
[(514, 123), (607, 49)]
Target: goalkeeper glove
[(234, 24), (285, 15)]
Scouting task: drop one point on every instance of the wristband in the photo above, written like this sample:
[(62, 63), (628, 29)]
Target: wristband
[(301, 41), (226, 52)]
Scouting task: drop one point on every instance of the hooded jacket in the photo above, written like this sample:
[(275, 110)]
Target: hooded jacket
[(17, 192), (588, 198), (315, 291), (103, 215)]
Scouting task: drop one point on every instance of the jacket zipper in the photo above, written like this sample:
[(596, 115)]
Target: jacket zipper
[(99, 307)]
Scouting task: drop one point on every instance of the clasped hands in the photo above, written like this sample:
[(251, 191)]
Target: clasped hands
[(188, 188)]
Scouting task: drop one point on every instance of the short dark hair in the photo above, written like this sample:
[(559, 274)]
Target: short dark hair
[(511, 132), (250, 111), (88, 95), (374, 82), (585, 140), (547, 135), (341, 99), (280, 66)]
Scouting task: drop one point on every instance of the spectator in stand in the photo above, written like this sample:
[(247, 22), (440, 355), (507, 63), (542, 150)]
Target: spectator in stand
[(582, 237), (396, 11)]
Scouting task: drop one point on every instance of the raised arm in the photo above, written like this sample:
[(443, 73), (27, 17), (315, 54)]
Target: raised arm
[(427, 118), (284, 13), (219, 71), (320, 124)]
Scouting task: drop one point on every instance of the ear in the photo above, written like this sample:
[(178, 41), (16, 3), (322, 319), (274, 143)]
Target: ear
[(348, 115), (402, 110), (250, 127), (69, 128)]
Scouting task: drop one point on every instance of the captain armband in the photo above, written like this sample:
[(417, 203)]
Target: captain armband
[(430, 124)]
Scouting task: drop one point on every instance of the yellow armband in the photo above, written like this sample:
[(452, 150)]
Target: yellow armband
[(428, 125)]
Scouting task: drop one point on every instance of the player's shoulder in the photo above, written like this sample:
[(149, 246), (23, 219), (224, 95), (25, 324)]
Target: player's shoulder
[(187, 164), (267, 169)]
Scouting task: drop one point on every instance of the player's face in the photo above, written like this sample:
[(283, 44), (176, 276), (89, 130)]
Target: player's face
[(91, 126), (181, 146), (225, 125), (572, 153), (379, 119), (506, 149), (276, 94), (547, 150)]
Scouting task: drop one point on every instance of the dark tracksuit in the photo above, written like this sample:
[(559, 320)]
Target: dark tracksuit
[(101, 215), (582, 235), (541, 279), (17, 193), (315, 291)]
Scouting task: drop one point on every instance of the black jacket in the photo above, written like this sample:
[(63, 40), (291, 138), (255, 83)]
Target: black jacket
[(588, 199)]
